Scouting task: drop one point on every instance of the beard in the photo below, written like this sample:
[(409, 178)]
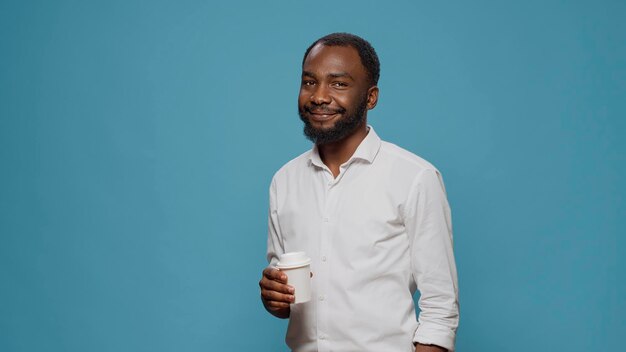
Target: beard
[(340, 130)]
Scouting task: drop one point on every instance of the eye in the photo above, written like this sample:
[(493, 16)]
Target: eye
[(307, 82), (339, 84)]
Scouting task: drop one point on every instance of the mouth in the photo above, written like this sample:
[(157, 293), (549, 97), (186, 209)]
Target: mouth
[(322, 115)]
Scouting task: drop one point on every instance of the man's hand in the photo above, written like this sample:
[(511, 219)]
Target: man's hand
[(275, 293), (429, 348)]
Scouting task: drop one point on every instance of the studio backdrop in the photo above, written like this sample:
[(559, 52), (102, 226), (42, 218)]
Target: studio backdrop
[(138, 140)]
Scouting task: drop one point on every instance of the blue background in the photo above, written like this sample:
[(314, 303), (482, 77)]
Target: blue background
[(138, 139)]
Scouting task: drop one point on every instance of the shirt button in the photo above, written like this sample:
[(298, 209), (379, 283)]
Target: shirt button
[(325, 219), (322, 337), (321, 297), (323, 258)]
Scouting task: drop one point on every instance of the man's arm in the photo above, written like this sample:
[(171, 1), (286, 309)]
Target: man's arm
[(429, 227), (276, 295)]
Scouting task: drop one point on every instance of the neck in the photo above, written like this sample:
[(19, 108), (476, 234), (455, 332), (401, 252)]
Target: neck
[(336, 153)]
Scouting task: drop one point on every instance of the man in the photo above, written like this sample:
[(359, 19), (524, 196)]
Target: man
[(373, 217)]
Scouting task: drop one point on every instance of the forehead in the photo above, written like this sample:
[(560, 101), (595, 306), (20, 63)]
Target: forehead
[(324, 60)]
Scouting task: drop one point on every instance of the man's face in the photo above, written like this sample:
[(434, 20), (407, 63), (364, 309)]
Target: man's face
[(334, 93)]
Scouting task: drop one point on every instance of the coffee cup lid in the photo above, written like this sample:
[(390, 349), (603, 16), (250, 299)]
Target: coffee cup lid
[(293, 260)]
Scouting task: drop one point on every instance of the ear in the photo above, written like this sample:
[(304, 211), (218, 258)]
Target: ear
[(372, 97)]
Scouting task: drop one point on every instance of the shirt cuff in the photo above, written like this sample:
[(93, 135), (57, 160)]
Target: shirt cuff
[(431, 334)]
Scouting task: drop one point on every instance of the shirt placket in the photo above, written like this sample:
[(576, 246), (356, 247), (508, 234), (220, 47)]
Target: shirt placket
[(327, 219)]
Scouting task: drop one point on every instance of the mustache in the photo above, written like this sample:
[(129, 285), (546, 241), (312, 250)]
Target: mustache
[(323, 109)]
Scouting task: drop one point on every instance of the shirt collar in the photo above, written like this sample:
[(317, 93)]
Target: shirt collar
[(366, 151)]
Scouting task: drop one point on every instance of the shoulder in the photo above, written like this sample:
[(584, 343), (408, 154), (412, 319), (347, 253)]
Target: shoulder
[(416, 176), (401, 158)]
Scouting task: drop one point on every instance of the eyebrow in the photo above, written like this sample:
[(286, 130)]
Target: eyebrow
[(331, 75), (341, 74)]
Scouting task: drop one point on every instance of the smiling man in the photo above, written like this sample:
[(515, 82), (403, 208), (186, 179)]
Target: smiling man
[(373, 217)]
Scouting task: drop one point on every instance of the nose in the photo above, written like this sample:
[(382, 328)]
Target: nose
[(320, 95)]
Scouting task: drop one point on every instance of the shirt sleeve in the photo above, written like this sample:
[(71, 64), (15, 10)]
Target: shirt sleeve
[(429, 227), (274, 238)]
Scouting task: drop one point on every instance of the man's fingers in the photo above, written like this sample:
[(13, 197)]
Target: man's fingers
[(275, 280), (274, 304), (274, 289), (275, 274), (277, 299), (272, 285)]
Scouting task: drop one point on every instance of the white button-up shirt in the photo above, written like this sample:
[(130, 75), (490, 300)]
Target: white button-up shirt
[(377, 232)]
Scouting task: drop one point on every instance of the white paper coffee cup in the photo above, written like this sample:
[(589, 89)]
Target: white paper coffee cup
[(297, 267)]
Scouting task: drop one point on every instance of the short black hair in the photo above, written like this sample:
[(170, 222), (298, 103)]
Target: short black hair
[(369, 58)]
